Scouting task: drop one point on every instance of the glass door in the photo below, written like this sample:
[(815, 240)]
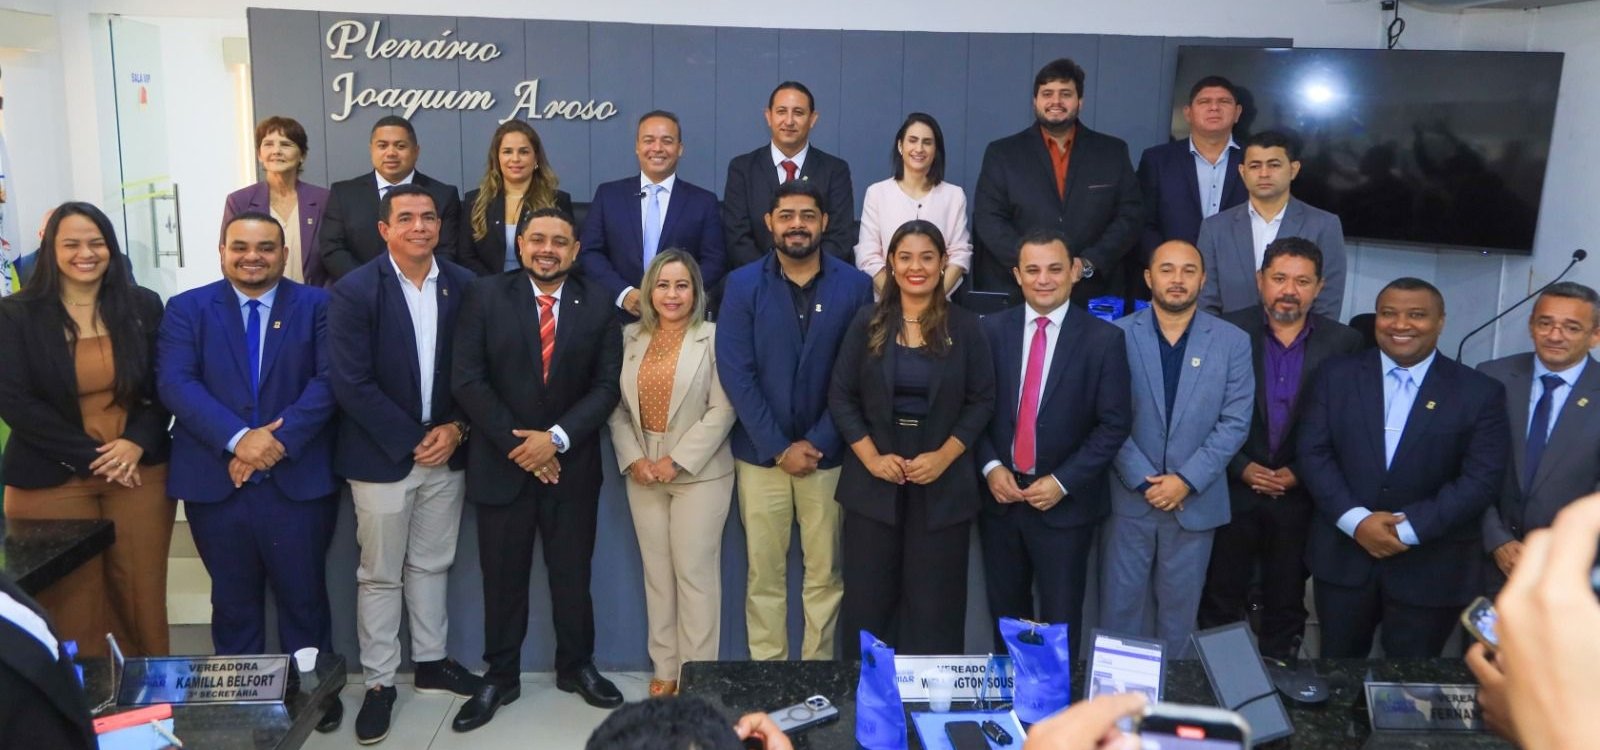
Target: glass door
[(150, 199)]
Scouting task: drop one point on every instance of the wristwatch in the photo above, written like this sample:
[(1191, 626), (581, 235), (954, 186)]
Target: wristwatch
[(461, 427), (1088, 269)]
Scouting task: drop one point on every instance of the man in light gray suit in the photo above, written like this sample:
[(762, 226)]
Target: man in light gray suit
[(1234, 241), (1193, 387), (1553, 400)]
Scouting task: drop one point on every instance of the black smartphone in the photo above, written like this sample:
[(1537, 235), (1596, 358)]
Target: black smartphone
[(966, 735), (1171, 726)]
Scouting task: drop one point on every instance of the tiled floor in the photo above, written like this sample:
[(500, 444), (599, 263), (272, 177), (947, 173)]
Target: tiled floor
[(543, 717)]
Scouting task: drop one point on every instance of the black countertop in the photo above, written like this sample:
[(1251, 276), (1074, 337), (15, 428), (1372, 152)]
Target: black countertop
[(741, 687), (36, 554), (244, 726)]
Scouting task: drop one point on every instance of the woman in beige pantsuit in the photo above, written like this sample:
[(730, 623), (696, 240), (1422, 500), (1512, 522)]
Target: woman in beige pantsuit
[(671, 434)]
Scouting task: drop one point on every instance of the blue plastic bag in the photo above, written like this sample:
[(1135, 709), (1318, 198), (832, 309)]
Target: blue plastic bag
[(1041, 664), (880, 717)]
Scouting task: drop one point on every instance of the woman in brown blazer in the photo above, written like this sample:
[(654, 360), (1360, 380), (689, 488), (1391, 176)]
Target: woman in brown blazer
[(89, 437), (670, 431)]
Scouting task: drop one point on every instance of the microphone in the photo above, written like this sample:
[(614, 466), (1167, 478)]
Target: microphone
[(1577, 256), (642, 194)]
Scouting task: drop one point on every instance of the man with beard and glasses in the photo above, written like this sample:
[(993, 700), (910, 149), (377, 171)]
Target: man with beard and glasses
[(1192, 385), (778, 331), (1061, 176), (1271, 510), (538, 357)]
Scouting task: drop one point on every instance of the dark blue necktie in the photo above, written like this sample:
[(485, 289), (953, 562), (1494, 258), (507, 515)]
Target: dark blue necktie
[(252, 347), (1539, 428)]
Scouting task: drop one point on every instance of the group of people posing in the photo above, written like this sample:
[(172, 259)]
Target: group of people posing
[(431, 350)]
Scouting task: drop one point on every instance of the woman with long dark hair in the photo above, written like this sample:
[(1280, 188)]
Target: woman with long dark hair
[(912, 391), (517, 181), (89, 436)]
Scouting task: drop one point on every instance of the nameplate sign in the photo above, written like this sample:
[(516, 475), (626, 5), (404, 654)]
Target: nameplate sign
[(1423, 707), (976, 677), (204, 679)]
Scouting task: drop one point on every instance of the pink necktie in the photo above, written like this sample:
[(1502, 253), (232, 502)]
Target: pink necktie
[(1028, 406), (789, 170)]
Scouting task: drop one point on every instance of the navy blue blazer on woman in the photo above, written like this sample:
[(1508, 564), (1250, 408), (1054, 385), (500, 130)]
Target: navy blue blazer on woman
[(1447, 470), (1171, 189), (375, 375), (203, 372), (776, 378), (612, 240)]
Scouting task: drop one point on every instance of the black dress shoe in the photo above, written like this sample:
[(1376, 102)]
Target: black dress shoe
[(332, 715), (480, 708), (596, 690)]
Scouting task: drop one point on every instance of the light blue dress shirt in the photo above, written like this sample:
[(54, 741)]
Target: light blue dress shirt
[(266, 300), (1397, 410), (1211, 177), (1558, 399)]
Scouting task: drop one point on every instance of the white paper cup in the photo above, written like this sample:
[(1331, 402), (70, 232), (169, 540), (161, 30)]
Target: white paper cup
[(306, 659), (941, 688)]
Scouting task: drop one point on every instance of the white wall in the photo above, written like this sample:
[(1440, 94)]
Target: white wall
[(204, 157)]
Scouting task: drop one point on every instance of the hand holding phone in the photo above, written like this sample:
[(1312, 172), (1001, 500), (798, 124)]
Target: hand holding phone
[(1479, 618)]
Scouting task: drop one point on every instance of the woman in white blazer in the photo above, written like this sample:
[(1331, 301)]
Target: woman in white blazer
[(671, 435)]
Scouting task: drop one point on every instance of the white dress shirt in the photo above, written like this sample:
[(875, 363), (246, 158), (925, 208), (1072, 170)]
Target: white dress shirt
[(423, 304), (1052, 334), (1264, 232), (799, 161), (384, 185), (663, 199), (1419, 372), (555, 310), (266, 299)]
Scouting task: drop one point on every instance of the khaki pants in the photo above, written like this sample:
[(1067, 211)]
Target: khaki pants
[(770, 500)]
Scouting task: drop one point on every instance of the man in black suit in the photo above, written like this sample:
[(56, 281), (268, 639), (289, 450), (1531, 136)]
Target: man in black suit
[(1059, 175), (537, 362), (1553, 402), (1047, 470), (1185, 181), (1402, 450), (41, 703), (1271, 511), (752, 178), (349, 235)]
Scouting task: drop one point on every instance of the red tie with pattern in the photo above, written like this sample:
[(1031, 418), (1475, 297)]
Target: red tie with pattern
[(1028, 406), (789, 170), (547, 331)]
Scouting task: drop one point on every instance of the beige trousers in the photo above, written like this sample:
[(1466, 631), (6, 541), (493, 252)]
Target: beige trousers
[(770, 500)]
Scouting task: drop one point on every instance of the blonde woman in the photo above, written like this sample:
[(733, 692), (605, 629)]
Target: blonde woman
[(671, 434), (517, 181)]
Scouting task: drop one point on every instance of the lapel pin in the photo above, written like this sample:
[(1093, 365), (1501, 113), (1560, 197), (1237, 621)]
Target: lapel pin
[(309, 222), (1583, 401), (818, 308), (276, 324), (1429, 406), (444, 291), (1194, 362)]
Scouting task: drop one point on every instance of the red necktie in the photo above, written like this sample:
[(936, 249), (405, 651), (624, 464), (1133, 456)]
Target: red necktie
[(1028, 406), (789, 170), (547, 331)]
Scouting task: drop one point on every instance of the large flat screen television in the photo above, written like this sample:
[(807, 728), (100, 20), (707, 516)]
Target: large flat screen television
[(1406, 146)]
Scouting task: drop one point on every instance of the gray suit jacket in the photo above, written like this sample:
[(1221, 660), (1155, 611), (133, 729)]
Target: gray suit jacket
[(1228, 247), (1210, 422), (1570, 467)]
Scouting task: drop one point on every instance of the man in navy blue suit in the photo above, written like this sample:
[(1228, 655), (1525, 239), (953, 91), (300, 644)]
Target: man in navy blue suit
[(1402, 449), (1050, 444), (1186, 181), (392, 323), (244, 364), (634, 218)]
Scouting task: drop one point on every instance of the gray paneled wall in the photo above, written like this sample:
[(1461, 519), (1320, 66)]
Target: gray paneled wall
[(717, 80)]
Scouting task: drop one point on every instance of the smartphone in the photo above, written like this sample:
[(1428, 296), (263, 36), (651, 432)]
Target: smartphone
[(966, 735), (801, 716), (1479, 619), (1173, 726)]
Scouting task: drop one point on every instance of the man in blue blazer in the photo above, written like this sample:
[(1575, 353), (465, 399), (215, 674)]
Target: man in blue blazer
[(243, 362), (1235, 240), (778, 331), (392, 323), (634, 218), (1184, 182), (1403, 450), (1193, 387), (1063, 409)]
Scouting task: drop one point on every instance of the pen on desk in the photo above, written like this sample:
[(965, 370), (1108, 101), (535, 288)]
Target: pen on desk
[(164, 733)]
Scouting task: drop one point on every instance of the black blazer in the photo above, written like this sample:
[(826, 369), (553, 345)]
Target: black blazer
[(960, 402), (39, 396), (41, 703), (1446, 472), (747, 196), (350, 236), (1328, 338), (1171, 190), (498, 379), (1101, 215), (487, 257)]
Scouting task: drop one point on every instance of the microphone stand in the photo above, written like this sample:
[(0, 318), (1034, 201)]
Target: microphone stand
[(1577, 255)]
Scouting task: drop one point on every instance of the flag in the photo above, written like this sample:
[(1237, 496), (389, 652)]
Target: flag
[(10, 250)]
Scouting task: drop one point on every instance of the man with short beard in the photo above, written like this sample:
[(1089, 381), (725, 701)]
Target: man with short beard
[(1271, 510), (1057, 175), (1192, 385), (778, 331)]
